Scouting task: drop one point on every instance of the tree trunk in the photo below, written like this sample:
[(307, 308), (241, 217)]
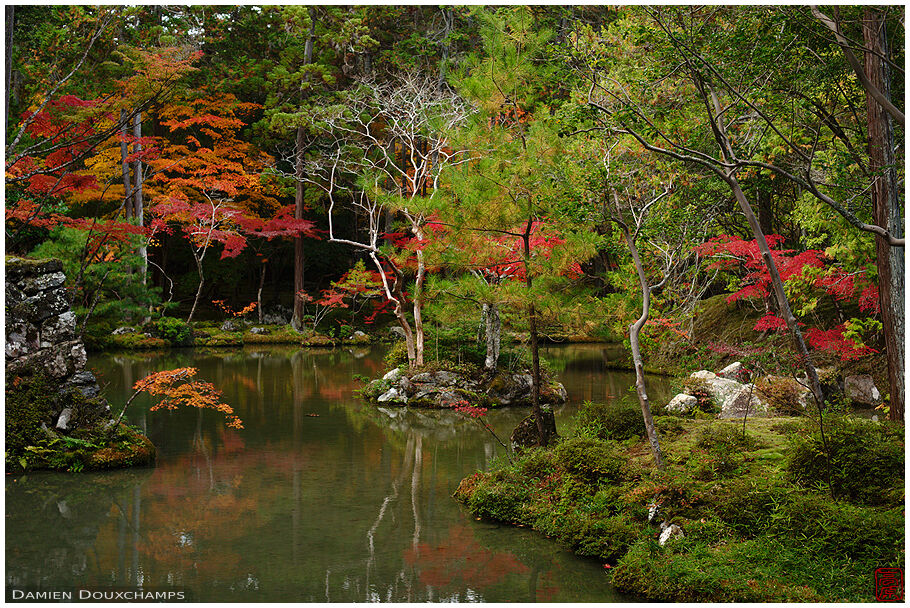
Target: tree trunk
[(532, 330), (634, 331), (137, 190), (776, 282), (125, 166), (886, 208), (493, 328), (393, 293), (198, 290), (10, 26), (259, 292), (418, 303), (299, 256)]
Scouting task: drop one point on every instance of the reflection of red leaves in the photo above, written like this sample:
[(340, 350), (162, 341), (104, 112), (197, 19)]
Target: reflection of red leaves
[(460, 560)]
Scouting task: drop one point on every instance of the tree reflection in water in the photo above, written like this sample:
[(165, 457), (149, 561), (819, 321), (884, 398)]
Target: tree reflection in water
[(320, 498)]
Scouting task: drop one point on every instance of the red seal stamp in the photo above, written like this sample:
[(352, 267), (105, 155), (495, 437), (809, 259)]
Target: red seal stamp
[(889, 585)]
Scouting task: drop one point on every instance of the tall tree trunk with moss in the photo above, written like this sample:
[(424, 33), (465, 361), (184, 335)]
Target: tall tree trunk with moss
[(125, 165), (886, 207), (299, 195)]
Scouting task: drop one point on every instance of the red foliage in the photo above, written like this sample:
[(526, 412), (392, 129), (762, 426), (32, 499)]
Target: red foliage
[(834, 340), (175, 389), (868, 299), (474, 411), (770, 322)]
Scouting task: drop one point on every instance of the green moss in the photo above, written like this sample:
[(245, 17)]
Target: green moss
[(751, 533), (28, 406), (867, 458), (617, 420), (33, 400)]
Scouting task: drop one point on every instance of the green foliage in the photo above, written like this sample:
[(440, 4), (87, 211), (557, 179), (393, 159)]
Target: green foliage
[(397, 355), (719, 451), (618, 420), (109, 292), (175, 331), (867, 459), (592, 460)]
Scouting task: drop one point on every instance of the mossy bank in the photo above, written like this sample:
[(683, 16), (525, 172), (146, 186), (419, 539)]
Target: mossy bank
[(56, 417), (733, 517)]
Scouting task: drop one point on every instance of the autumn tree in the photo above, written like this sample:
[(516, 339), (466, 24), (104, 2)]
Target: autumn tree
[(513, 185), (387, 148), (763, 116)]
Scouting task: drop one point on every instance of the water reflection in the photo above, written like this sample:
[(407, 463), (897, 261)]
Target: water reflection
[(319, 498)]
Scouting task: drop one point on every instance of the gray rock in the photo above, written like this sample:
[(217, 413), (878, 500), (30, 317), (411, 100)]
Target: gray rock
[(396, 332), (744, 402), (668, 532), (703, 374), (258, 330), (734, 399), (405, 385), (527, 435), (17, 268), (681, 404), (126, 329), (393, 375), (58, 329), (443, 378), (447, 398), (392, 395), (230, 325), (34, 284), (734, 371), (277, 315), (42, 305), (422, 377), (359, 336), (64, 419), (861, 389), (653, 512)]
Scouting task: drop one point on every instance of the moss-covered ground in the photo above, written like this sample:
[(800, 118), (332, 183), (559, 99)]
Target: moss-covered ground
[(757, 512), (32, 442)]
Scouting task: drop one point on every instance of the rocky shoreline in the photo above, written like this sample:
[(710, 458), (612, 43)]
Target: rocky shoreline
[(442, 389)]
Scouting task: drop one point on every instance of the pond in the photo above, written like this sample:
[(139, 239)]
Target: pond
[(321, 497)]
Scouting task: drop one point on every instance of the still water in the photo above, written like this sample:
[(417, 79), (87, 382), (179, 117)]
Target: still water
[(321, 497)]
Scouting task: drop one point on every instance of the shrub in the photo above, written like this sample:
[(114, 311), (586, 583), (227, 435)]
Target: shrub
[(502, 499), (590, 459), (537, 463), (867, 458), (175, 331), (397, 355), (698, 388), (616, 420), (782, 393), (838, 529), (604, 538)]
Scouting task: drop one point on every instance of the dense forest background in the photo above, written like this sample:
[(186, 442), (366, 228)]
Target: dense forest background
[(551, 168)]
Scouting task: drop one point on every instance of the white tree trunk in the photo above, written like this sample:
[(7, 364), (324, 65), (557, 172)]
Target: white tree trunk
[(493, 327)]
